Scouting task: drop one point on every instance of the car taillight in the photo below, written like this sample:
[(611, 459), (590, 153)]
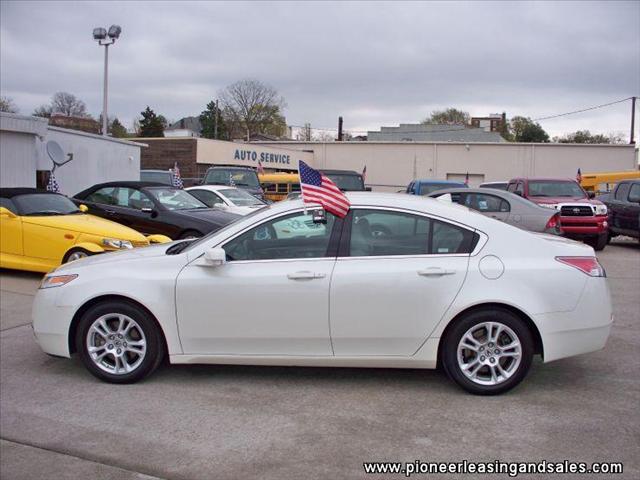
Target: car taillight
[(554, 222), (588, 265)]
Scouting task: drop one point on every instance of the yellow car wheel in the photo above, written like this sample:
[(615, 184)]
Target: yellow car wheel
[(76, 254)]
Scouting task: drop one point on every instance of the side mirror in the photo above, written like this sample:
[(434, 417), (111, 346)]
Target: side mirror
[(83, 208), (591, 194), (5, 212), (215, 257)]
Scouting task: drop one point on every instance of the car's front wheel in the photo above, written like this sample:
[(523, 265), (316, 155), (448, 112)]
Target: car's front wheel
[(118, 342), (76, 254), (599, 242), (488, 352)]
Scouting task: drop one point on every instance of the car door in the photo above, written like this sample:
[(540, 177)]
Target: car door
[(618, 215), (271, 297), (135, 209), (632, 210), (389, 291), (100, 202), (490, 205), (11, 229)]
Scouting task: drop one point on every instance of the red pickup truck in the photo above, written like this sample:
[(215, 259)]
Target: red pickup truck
[(581, 216)]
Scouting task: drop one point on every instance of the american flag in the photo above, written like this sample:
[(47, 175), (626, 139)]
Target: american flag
[(176, 179), (260, 168), (364, 174), (52, 184), (317, 188), (579, 176), (466, 179)]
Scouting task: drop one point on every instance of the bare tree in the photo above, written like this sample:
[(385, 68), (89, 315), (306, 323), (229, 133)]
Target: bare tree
[(68, 104), (7, 105), (42, 111), (251, 107), (449, 116)]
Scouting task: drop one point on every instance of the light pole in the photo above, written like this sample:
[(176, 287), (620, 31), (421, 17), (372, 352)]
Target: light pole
[(106, 38)]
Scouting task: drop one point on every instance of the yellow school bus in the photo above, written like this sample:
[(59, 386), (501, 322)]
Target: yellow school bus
[(277, 186), (603, 182)]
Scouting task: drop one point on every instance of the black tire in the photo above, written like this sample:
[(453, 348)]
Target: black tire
[(152, 335), (476, 318), (598, 243), (81, 251), (189, 234)]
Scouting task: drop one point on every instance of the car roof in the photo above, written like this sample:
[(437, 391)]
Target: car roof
[(213, 188), (14, 192), (495, 183), (545, 179), (129, 184), (439, 182)]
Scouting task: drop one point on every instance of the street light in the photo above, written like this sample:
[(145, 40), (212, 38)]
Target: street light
[(106, 38)]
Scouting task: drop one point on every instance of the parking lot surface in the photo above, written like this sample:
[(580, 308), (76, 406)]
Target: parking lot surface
[(224, 422)]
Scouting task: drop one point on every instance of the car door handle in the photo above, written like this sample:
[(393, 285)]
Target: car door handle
[(435, 272), (110, 212), (305, 275)]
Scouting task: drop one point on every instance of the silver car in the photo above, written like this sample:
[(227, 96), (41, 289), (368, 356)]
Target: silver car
[(504, 206)]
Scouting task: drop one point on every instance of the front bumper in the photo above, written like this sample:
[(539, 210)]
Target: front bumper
[(51, 323), (584, 226)]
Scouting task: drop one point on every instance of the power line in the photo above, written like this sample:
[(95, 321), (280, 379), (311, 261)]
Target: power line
[(583, 110)]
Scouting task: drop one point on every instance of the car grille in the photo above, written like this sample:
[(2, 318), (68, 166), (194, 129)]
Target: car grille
[(576, 211)]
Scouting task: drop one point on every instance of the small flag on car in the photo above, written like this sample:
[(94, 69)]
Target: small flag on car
[(317, 188), (52, 184), (579, 176), (466, 179), (260, 168), (364, 173), (176, 179)]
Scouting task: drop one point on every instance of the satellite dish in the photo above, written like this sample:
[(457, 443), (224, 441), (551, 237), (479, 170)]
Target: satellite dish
[(55, 152)]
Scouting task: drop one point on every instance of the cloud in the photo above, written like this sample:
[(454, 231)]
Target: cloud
[(373, 63)]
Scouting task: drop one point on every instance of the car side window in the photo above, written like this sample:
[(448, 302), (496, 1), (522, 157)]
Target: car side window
[(132, 198), (291, 236), (519, 189), (9, 205), (208, 198), (486, 203), (622, 192), (104, 196), (634, 193), (382, 233), (447, 238), (511, 187)]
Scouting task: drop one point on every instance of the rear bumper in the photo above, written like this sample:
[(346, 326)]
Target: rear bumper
[(584, 226), (582, 330)]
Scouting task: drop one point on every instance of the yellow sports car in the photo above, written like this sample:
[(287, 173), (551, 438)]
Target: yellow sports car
[(40, 230)]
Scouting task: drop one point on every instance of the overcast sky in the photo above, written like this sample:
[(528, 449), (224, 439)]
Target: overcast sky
[(373, 63)]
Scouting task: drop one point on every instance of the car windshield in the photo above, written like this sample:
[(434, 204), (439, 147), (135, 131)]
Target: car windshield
[(160, 177), (555, 189), (427, 188), (241, 198), (347, 182), (45, 204), (176, 199), (232, 176)]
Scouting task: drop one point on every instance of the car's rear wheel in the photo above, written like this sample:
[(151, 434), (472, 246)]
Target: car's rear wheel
[(599, 242), (76, 254), (118, 342), (189, 235), (488, 352)]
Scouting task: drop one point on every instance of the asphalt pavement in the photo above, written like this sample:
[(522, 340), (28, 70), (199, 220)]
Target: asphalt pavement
[(228, 422)]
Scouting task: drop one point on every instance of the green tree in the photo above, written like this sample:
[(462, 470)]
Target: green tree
[(7, 105), (152, 125), (449, 116), (585, 136), (208, 122), (117, 129), (526, 130)]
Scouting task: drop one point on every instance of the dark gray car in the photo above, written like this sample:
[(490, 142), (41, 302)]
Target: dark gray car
[(507, 207)]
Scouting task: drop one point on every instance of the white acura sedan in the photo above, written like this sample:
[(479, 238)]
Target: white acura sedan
[(402, 281)]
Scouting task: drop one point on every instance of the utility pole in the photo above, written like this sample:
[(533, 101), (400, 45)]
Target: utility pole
[(633, 119), (339, 129), (215, 121)]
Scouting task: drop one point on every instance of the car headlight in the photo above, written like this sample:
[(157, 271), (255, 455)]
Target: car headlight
[(114, 243), (601, 209), (51, 281)]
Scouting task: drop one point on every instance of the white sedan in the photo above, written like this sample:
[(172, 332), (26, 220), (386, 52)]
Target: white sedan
[(231, 199), (402, 281)]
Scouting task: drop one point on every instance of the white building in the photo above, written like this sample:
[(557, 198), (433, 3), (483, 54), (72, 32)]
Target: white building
[(94, 158)]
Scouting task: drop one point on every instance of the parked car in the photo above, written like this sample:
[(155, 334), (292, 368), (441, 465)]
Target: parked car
[(624, 209), (582, 217), (495, 185), (154, 208), (447, 286), (241, 177), (346, 180), (506, 207), (427, 186), (40, 230), (158, 176), (231, 199)]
